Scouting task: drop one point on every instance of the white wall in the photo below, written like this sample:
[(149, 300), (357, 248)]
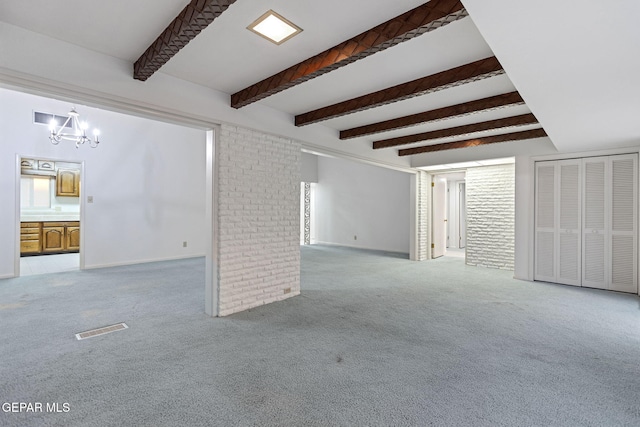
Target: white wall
[(309, 168), (524, 207), (355, 199), (147, 179)]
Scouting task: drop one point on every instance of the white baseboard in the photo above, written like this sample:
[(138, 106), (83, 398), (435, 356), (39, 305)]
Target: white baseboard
[(143, 261), (359, 247)]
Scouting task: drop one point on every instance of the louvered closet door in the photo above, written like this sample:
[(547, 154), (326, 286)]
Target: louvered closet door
[(623, 240), (594, 237), (569, 230), (545, 217)]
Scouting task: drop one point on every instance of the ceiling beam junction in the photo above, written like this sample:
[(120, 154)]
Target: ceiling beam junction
[(428, 17)]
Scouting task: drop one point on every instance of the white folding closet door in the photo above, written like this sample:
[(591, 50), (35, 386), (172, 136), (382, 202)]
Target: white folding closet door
[(623, 241), (558, 229), (545, 217), (586, 222), (569, 248), (594, 251), (610, 223)]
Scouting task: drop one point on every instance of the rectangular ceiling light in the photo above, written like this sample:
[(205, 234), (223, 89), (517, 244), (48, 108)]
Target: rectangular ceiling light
[(274, 27)]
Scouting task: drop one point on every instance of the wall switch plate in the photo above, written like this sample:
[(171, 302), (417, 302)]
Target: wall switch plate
[(355, 237), (184, 244), (89, 199)]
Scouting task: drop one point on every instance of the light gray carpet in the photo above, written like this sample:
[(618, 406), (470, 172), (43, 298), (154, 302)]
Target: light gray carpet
[(374, 339)]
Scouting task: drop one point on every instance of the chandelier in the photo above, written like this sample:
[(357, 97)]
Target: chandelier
[(78, 134)]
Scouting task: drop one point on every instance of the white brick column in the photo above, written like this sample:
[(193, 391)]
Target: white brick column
[(257, 216), (490, 195), (421, 216)]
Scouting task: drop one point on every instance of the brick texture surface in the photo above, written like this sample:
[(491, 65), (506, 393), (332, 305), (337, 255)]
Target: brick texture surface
[(424, 193), (258, 219), (491, 216)]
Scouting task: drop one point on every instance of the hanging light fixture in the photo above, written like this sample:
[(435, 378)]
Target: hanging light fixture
[(79, 133)]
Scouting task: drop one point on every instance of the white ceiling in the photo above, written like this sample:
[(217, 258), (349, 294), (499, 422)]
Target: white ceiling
[(119, 28), (574, 63)]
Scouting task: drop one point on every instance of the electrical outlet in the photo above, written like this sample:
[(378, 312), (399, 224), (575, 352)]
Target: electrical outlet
[(355, 237), (184, 244), (287, 290)]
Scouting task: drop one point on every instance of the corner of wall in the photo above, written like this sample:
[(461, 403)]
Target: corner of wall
[(258, 185)]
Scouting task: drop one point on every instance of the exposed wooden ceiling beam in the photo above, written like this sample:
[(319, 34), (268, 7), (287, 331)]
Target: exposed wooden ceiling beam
[(521, 120), (474, 71), (458, 110), (422, 19), (195, 17), (515, 136)]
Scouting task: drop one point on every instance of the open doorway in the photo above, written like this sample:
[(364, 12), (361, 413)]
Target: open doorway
[(457, 212), (481, 210), (307, 213), (49, 225), (457, 225), (439, 216), (449, 214)]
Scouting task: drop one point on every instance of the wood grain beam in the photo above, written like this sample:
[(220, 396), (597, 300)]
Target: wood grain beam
[(194, 18), (467, 73), (515, 136), (428, 17), (521, 120), (458, 110)]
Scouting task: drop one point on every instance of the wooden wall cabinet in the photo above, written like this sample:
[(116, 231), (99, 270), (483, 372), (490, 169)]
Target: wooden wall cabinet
[(68, 182)]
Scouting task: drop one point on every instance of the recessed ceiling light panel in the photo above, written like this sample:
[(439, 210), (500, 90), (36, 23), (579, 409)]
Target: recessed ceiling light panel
[(274, 27)]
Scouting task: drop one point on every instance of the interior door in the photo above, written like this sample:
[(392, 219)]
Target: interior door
[(462, 216), (439, 203)]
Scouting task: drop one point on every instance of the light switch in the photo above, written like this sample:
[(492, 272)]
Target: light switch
[(89, 199)]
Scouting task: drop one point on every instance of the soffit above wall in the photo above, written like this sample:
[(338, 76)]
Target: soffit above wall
[(575, 64)]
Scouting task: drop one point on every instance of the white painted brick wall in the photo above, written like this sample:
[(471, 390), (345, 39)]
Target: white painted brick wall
[(423, 194), (258, 219), (490, 195)]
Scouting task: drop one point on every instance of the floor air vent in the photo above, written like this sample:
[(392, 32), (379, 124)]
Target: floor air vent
[(101, 331)]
